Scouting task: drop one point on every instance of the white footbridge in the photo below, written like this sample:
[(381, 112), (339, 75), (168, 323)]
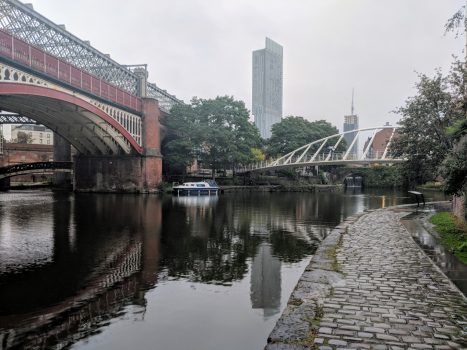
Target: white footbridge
[(323, 152)]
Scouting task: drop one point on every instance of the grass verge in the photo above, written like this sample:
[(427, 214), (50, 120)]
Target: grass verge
[(452, 232)]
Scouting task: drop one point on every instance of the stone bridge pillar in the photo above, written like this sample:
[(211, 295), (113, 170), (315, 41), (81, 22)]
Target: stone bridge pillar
[(62, 153), (125, 173)]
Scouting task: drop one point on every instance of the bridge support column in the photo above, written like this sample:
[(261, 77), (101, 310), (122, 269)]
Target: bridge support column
[(125, 173), (62, 153), (152, 142)]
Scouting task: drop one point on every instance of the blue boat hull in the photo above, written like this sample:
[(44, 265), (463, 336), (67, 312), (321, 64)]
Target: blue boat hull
[(195, 191)]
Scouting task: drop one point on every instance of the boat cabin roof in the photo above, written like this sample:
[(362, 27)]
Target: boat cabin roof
[(210, 183)]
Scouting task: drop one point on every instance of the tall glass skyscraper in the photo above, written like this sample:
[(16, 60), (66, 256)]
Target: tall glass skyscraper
[(267, 87)]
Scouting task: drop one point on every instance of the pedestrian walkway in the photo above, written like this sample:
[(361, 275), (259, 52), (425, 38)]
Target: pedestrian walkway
[(385, 293)]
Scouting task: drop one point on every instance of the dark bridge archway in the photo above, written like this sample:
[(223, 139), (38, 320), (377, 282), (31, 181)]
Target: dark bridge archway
[(90, 130), (33, 168)]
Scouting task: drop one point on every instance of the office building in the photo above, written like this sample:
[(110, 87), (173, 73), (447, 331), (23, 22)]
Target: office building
[(267, 87), (351, 123)]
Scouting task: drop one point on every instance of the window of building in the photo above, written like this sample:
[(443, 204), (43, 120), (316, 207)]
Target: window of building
[(40, 140), (48, 136)]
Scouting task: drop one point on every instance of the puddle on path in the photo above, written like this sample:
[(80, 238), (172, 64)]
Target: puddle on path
[(443, 258)]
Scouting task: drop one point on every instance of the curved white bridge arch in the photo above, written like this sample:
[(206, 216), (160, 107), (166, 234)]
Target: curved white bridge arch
[(322, 152)]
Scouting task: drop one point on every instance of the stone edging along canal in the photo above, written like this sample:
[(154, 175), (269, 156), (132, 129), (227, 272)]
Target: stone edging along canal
[(370, 286)]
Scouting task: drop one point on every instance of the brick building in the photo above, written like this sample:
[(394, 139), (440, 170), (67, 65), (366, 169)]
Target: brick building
[(379, 143)]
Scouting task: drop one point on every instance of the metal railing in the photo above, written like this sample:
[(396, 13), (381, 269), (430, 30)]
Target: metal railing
[(24, 23), (23, 168)]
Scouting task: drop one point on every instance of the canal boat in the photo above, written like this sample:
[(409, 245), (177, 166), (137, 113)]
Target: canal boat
[(201, 188)]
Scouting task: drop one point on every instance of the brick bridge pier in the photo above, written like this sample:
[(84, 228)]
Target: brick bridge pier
[(125, 173)]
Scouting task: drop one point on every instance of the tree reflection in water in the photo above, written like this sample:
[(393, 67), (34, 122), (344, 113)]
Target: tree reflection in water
[(211, 240), (98, 254)]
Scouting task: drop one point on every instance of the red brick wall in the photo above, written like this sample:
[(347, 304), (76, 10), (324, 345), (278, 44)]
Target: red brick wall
[(151, 127), (17, 153), (117, 174)]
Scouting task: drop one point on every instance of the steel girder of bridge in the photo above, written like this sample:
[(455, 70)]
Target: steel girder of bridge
[(33, 168), (90, 125), (13, 118), (322, 152), (50, 76), (23, 22)]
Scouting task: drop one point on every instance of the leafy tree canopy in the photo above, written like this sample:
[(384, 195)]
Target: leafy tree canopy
[(215, 131), (426, 117), (293, 132), (23, 137)]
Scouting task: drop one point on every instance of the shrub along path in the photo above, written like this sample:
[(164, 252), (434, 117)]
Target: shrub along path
[(370, 286)]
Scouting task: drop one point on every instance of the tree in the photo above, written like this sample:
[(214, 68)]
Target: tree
[(257, 155), (455, 165), (23, 137), (179, 146), (422, 137), (454, 168), (293, 132), (217, 131)]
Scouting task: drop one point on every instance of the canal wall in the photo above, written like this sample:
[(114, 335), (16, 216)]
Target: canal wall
[(282, 188), (370, 286)]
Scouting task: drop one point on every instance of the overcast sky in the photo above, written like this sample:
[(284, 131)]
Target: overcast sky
[(204, 47)]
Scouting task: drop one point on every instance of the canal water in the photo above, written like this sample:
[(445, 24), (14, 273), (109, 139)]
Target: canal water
[(88, 271)]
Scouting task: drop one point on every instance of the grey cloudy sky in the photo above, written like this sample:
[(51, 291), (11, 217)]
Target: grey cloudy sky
[(203, 47)]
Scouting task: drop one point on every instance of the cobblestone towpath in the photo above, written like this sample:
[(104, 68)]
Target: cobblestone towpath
[(369, 286)]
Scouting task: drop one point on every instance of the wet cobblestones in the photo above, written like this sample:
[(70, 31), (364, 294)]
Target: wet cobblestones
[(387, 294)]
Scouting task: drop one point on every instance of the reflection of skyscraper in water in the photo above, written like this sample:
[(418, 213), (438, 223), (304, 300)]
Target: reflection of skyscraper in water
[(265, 288)]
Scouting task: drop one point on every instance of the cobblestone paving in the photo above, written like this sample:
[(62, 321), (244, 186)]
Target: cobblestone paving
[(393, 296)]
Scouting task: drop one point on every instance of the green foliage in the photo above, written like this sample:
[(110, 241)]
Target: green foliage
[(457, 21), (383, 176), (23, 137), (178, 147), (257, 154), (293, 132), (216, 131), (426, 117), (453, 234), (454, 168)]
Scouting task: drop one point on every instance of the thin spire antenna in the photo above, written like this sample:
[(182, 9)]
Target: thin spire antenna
[(351, 108)]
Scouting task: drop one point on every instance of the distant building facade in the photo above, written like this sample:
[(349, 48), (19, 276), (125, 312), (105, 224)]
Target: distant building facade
[(380, 141), (351, 123), (267, 87), (37, 134)]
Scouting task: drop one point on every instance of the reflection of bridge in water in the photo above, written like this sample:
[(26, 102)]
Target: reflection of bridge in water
[(105, 257), (126, 266)]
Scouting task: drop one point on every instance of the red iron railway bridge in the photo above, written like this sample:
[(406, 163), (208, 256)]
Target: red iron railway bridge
[(109, 112)]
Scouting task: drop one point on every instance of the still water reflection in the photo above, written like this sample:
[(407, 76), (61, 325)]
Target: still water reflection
[(123, 271)]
